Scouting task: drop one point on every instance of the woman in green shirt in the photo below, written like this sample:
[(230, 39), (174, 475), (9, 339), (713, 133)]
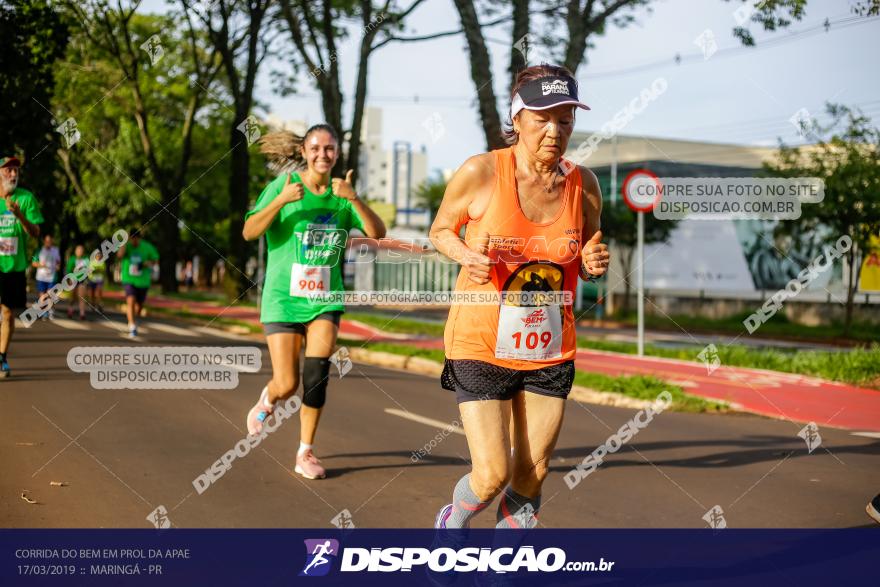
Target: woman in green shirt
[(95, 283), (306, 217), (78, 265)]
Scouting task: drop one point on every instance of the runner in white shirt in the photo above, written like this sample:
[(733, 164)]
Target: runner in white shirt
[(47, 261)]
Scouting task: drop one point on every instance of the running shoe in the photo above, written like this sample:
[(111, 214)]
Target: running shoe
[(873, 508), (132, 331), (51, 314), (82, 316), (70, 312), (4, 369), (445, 538), (440, 520), (308, 465), (259, 413)]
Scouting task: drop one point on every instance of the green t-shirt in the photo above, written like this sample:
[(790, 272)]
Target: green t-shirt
[(79, 266), (134, 271), (305, 242), (13, 237), (98, 271)]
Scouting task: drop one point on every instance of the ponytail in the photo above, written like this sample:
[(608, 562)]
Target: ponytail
[(283, 149)]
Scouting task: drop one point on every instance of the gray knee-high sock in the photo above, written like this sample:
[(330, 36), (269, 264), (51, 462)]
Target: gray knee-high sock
[(465, 504), (517, 511)]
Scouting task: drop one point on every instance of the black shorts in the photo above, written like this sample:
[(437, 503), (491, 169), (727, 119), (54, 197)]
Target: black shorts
[(138, 293), (300, 327), (13, 290), (473, 380)]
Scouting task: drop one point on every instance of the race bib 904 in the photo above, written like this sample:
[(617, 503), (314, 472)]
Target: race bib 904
[(309, 279)]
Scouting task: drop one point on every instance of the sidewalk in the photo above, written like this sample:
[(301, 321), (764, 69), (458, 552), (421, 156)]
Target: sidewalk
[(768, 393)]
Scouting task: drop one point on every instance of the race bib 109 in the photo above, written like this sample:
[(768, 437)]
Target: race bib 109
[(529, 333)]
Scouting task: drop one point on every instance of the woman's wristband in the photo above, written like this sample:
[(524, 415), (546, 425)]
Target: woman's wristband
[(586, 275)]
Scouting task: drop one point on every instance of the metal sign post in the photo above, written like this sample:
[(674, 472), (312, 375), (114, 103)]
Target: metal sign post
[(641, 191), (640, 276)]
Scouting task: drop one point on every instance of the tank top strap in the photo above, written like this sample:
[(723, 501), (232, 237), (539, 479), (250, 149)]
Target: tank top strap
[(498, 200), (505, 182), (574, 198), (505, 171)]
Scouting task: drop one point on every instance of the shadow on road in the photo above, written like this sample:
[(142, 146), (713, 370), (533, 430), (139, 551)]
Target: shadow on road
[(775, 450)]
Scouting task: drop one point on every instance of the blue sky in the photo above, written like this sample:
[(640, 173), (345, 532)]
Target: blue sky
[(745, 96)]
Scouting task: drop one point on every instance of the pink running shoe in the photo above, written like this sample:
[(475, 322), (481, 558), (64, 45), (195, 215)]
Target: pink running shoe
[(259, 413), (308, 465)]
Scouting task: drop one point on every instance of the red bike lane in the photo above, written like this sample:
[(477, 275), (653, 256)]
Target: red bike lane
[(769, 393)]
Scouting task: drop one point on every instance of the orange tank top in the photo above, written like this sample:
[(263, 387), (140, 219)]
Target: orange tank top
[(527, 257)]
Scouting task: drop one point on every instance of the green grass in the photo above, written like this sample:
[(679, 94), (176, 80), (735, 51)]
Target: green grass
[(196, 296), (647, 388), (857, 366), (398, 325), (202, 319), (189, 296), (397, 349), (778, 326), (639, 387), (204, 296)]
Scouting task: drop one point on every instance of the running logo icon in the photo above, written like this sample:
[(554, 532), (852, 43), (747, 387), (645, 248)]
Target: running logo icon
[(320, 554), (535, 319)]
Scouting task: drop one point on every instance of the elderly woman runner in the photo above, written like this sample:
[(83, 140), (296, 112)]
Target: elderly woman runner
[(532, 227)]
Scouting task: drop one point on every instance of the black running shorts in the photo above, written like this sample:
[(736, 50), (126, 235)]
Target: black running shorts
[(300, 327), (473, 380), (13, 290)]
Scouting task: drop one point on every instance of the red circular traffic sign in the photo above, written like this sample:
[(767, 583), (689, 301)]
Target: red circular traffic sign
[(641, 190)]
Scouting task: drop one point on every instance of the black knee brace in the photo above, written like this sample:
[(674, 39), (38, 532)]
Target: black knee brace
[(316, 373)]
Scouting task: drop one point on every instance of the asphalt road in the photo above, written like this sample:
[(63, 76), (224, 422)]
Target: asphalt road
[(123, 453)]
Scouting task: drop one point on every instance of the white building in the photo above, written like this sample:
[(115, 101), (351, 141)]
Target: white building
[(391, 175)]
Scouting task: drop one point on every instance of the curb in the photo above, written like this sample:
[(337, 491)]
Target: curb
[(428, 367)]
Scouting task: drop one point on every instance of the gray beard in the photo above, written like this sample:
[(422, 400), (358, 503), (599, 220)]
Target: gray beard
[(9, 186)]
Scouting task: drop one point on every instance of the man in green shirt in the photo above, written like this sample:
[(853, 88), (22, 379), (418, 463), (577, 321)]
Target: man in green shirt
[(138, 257), (20, 218)]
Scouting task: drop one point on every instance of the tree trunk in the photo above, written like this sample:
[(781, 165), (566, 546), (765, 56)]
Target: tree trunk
[(850, 290), (626, 264), (577, 36), (481, 74), (518, 60), (360, 100), (167, 242), (236, 282)]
